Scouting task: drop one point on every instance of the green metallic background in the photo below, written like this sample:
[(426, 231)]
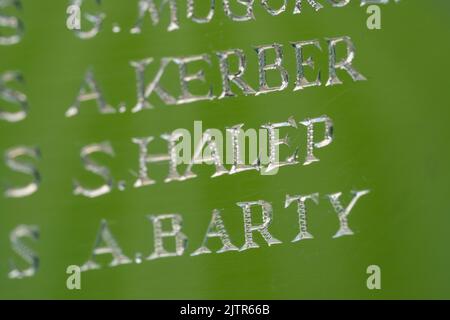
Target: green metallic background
[(391, 137)]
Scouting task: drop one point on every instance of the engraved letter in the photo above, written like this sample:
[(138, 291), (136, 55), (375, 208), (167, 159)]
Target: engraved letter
[(309, 123), (301, 210), (173, 152), (344, 229), (143, 93), (339, 3), (313, 3), (27, 254), (13, 96), (274, 144), (364, 2), (25, 168), (186, 96), (159, 235), (95, 20), (345, 64), (264, 67), (144, 159), (91, 166), (94, 94), (272, 11), (150, 7), (238, 147), (248, 7), (10, 22), (216, 229), (210, 144), (301, 81), (235, 78), (112, 247), (190, 12), (249, 228)]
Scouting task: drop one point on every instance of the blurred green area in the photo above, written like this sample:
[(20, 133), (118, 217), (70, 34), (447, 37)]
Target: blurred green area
[(391, 134)]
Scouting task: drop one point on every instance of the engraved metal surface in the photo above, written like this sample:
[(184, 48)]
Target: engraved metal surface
[(224, 149)]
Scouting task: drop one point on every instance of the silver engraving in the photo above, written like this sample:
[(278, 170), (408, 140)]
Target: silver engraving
[(143, 93), (344, 64), (191, 12), (13, 96), (236, 78), (339, 3), (186, 96), (14, 164), (90, 90), (91, 166), (104, 236), (249, 228), (301, 210), (149, 6), (144, 159), (275, 143), (264, 67), (270, 10), (27, 254), (248, 4), (10, 22), (143, 178), (343, 213), (299, 6), (301, 81), (159, 235), (173, 158), (364, 2), (95, 20), (238, 153), (310, 144), (216, 229)]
